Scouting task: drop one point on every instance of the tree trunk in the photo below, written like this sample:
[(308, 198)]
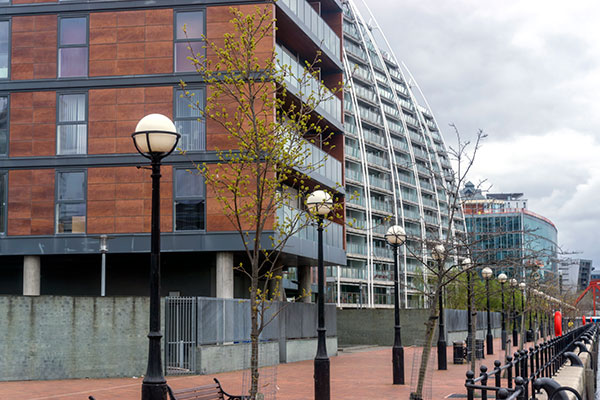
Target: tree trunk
[(433, 316), (473, 335), (254, 334)]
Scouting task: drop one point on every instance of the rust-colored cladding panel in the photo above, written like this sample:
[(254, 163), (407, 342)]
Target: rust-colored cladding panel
[(30, 202), (32, 124), (114, 113), (119, 200), (131, 42), (33, 54)]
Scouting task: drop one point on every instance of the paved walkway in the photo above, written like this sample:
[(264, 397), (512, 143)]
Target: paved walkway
[(360, 374)]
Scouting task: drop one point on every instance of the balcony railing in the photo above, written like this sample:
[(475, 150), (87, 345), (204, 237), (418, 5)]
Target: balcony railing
[(294, 78), (313, 21), (322, 163), (333, 234)]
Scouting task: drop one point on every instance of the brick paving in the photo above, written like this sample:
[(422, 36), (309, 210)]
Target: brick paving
[(360, 374)]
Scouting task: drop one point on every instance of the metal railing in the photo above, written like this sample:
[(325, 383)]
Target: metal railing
[(525, 367)]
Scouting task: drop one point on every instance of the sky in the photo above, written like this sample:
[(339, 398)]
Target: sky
[(527, 73)]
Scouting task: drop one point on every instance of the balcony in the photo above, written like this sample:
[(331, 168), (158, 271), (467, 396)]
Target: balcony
[(319, 162), (333, 234), (330, 106), (313, 22)]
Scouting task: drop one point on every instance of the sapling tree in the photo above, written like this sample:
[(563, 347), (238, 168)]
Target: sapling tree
[(267, 150)]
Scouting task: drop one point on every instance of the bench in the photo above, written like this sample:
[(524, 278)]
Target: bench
[(206, 392), (213, 391)]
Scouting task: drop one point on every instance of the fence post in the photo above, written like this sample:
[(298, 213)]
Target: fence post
[(497, 374), (470, 390), (484, 379), (509, 371), (531, 377)]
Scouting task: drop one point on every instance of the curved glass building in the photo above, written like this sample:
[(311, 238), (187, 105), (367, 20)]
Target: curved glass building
[(395, 164)]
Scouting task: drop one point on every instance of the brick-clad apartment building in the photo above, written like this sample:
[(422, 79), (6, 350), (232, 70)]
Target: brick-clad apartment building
[(75, 78)]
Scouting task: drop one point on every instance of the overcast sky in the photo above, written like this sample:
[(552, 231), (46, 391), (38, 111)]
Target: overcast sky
[(528, 74)]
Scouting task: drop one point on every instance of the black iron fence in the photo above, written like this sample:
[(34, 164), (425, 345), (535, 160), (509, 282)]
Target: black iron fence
[(528, 371)]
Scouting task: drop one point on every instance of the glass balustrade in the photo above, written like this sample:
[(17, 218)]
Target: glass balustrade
[(313, 21), (294, 77), (381, 183), (333, 233), (381, 205), (322, 163), (373, 137)]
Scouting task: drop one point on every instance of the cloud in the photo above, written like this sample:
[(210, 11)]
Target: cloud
[(528, 74), (559, 172)]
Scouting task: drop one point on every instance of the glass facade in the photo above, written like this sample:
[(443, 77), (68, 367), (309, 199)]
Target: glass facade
[(395, 161), (519, 236)]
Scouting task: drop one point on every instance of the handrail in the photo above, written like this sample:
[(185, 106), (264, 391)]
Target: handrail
[(525, 366)]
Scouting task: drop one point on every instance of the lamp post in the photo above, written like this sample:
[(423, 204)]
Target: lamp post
[(502, 278), (438, 254), (466, 265), (396, 236), (522, 286), (320, 203), (103, 251), (515, 335), (487, 274), (155, 137)]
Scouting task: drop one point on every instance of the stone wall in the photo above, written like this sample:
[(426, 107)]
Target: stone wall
[(57, 337)]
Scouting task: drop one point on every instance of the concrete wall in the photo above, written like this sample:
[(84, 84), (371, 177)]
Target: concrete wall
[(231, 357), (63, 337), (57, 337), (376, 327)]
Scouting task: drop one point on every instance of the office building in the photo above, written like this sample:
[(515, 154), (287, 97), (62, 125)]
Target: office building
[(507, 234)]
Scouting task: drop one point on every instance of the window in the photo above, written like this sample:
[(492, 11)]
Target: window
[(194, 26), (71, 128), (70, 202), (3, 125), (4, 33), (73, 47), (3, 194), (187, 114), (189, 201)]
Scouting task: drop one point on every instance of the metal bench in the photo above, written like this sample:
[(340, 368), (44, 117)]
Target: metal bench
[(206, 392), (212, 391)]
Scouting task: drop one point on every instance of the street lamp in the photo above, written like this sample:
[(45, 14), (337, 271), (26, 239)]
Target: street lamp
[(320, 203), (155, 137), (502, 278), (487, 274), (396, 236), (514, 283), (438, 254), (466, 265), (522, 286)]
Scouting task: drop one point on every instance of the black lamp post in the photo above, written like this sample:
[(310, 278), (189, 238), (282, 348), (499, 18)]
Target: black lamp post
[(487, 274), (515, 335), (522, 286), (396, 236), (155, 137), (320, 203), (466, 265), (438, 254), (502, 278)]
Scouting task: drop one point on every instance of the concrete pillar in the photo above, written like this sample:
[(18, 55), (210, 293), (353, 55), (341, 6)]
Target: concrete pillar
[(304, 281), (31, 276), (225, 275)]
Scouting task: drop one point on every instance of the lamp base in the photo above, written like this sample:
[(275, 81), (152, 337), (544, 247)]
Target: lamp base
[(154, 391)]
